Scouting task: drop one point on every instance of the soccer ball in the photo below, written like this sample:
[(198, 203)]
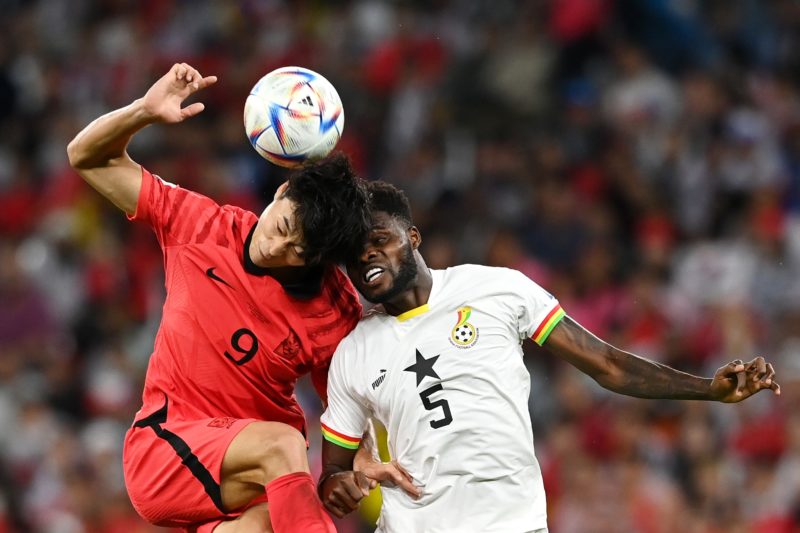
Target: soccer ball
[(293, 115), (464, 334)]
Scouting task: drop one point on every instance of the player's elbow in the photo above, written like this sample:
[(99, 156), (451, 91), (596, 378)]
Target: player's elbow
[(87, 163), (78, 157), (610, 381), (609, 374), (82, 157)]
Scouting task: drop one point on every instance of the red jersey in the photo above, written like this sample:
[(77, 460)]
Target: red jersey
[(232, 340)]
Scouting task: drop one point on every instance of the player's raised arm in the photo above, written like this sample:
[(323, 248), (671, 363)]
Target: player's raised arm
[(98, 153), (629, 374)]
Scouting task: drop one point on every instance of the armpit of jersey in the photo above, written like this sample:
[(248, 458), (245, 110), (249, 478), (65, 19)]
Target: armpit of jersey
[(340, 439), (547, 325)]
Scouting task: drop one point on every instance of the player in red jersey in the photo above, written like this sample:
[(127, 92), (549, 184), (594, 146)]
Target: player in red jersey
[(252, 304)]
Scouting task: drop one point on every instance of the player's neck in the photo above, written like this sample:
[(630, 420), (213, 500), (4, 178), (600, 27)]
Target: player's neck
[(286, 275), (416, 295)]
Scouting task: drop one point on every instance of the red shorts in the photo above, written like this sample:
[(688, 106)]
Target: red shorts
[(172, 469)]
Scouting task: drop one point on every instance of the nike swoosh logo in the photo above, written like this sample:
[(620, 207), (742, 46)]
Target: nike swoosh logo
[(210, 274)]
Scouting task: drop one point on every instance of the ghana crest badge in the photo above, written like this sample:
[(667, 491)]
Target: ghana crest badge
[(463, 334)]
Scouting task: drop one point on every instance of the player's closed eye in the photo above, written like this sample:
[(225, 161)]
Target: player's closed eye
[(379, 239), (284, 229)]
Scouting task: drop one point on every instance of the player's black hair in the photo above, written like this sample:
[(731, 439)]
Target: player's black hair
[(332, 209), (389, 199)]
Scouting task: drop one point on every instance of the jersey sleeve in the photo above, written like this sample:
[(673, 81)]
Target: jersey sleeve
[(174, 213), (319, 379), (345, 418), (538, 311)]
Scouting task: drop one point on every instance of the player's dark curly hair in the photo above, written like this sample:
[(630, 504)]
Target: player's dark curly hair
[(386, 197), (332, 209)]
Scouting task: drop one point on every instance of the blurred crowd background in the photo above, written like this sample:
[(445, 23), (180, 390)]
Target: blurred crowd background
[(638, 158)]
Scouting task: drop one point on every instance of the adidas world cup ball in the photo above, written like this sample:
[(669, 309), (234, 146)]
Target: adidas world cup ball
[(293, 115)]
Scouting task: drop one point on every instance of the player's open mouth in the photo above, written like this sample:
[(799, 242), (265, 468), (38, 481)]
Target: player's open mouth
[(373, 274)]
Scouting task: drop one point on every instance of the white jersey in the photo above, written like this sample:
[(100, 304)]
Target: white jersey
[(448, 381)]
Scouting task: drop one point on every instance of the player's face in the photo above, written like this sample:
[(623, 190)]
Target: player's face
[(277, 240), (387, 266)]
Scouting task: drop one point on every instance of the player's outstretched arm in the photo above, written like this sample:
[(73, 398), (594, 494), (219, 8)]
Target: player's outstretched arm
[(629, 374), (98, 153)]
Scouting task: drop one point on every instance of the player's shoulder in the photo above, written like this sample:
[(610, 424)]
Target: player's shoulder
[(153, 177), (224, 225), (480, 275), (182, 195), (245, 217), (335, 278), (351, 347), (366, 341), (336, 283), (472, 269), (189, 199), (374, 318), (373, 324)]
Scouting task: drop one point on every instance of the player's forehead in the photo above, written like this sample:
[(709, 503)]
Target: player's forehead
[(284, 211), (381, 220)]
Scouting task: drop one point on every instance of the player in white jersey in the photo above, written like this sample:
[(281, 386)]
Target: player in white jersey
[(439, 363)]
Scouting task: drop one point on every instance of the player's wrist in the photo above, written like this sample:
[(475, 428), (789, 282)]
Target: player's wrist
[(141, 114), (364, 461), (323, 479)]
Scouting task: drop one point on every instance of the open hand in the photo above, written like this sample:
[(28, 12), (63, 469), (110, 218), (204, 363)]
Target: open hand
[(163, 100), (391, 474), (737, 380)]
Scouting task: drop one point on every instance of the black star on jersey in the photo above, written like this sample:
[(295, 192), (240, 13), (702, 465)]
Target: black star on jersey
[(423, 367)]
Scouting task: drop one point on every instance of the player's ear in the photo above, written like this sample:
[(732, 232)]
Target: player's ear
[(415, 237)]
